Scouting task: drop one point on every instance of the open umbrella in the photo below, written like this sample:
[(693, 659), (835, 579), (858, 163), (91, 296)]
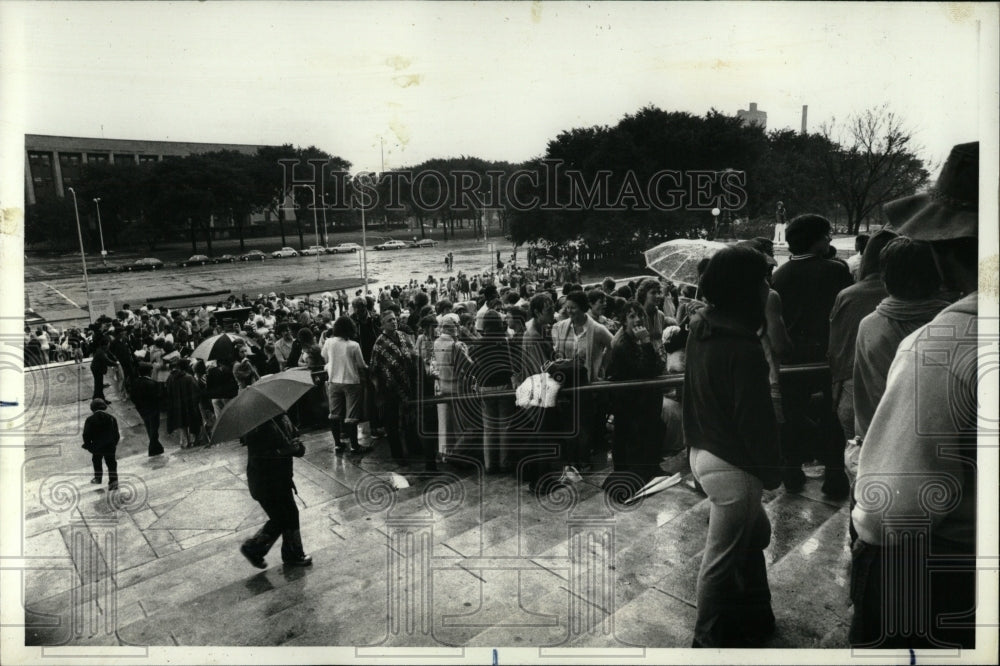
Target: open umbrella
[(270, 396), (219, 347), (677, 260)]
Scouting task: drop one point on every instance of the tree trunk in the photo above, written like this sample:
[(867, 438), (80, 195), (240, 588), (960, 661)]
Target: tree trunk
[(239, 230), (208, 237), (194, 238), (298, 225), (281, 225)]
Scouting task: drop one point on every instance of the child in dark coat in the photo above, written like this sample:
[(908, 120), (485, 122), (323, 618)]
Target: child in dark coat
[(100, 438)]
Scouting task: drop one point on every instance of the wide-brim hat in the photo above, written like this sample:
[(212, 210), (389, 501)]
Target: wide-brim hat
[(950, 209)]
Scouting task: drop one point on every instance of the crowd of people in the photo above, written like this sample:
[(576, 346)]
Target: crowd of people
[(439, 370)]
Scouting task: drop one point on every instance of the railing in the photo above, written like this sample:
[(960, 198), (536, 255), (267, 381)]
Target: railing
[(662, 382)]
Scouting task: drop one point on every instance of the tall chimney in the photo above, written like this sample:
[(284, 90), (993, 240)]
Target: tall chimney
[(805, 112)]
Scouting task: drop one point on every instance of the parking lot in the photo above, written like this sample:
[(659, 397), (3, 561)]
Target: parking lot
[(55, 289)]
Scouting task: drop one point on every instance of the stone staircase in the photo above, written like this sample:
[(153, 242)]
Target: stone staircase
[(455, 560)]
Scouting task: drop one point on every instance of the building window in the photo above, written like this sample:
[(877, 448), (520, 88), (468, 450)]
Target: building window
[(124, 158), (70, 164), (146, 159), (98, 158), (43, 178)]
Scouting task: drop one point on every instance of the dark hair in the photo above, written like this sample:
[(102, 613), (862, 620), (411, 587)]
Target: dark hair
[(646, 286), (803, 232), (539, 302), (624, 291), (518, 314), (420, 299), (636, 307), (145, 369), (305, 336), (908, 269), (427, 321), (732, 281), (861, 242), (608, 285), (442, 305), (344, 328), (701, 266), (596, 295), (579, 298)]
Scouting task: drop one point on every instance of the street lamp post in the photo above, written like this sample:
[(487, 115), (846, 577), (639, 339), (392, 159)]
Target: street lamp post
[(83, 256), (364, 247), (100, 231), (715, 222), (315, 216)]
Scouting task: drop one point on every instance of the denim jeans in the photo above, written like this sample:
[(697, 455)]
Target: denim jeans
[(920, 594), (734, 600)]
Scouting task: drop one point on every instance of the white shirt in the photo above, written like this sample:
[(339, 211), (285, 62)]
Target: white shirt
[(344, 362)]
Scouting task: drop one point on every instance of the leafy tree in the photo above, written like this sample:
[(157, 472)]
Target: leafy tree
[(51, 220)]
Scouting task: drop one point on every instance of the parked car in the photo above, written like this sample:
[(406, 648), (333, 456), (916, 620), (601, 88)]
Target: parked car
[(253, 255), (104, 268), (313, 250), (344, 247), (196, 260), (225, 259), (145, 264), (424, 242), (285, 252), (391, 245)]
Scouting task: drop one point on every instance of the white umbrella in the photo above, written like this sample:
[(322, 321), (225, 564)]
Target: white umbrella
[(677, 260)]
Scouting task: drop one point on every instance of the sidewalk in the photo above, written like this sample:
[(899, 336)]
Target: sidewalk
[(456, 559)]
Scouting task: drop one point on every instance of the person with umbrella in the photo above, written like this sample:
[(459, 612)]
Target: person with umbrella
[(270, 449), (258, 415)]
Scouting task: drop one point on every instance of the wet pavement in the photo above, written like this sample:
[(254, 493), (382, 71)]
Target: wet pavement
[(56, 289), (459, 559)]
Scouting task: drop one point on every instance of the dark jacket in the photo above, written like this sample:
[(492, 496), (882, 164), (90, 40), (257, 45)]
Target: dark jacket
[(146, 394), (727, 407), (123, 354), (368, 330), (220, 382), (808, 287), (183, 394), (638, 426), (101, 361), (492, 362), (100, 433), (270, 448)]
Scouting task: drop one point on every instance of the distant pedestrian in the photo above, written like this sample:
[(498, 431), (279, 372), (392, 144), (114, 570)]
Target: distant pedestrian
[(101, 362), (100, 439)]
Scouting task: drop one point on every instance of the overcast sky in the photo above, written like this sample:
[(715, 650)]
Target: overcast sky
[(492, 80)]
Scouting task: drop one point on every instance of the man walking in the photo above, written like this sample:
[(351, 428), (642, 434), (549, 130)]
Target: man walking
[(147, 400)]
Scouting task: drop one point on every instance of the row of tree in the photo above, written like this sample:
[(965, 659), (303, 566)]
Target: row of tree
[(653, 175)]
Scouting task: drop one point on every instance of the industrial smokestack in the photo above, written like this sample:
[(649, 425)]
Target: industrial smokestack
[(805, 113)]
